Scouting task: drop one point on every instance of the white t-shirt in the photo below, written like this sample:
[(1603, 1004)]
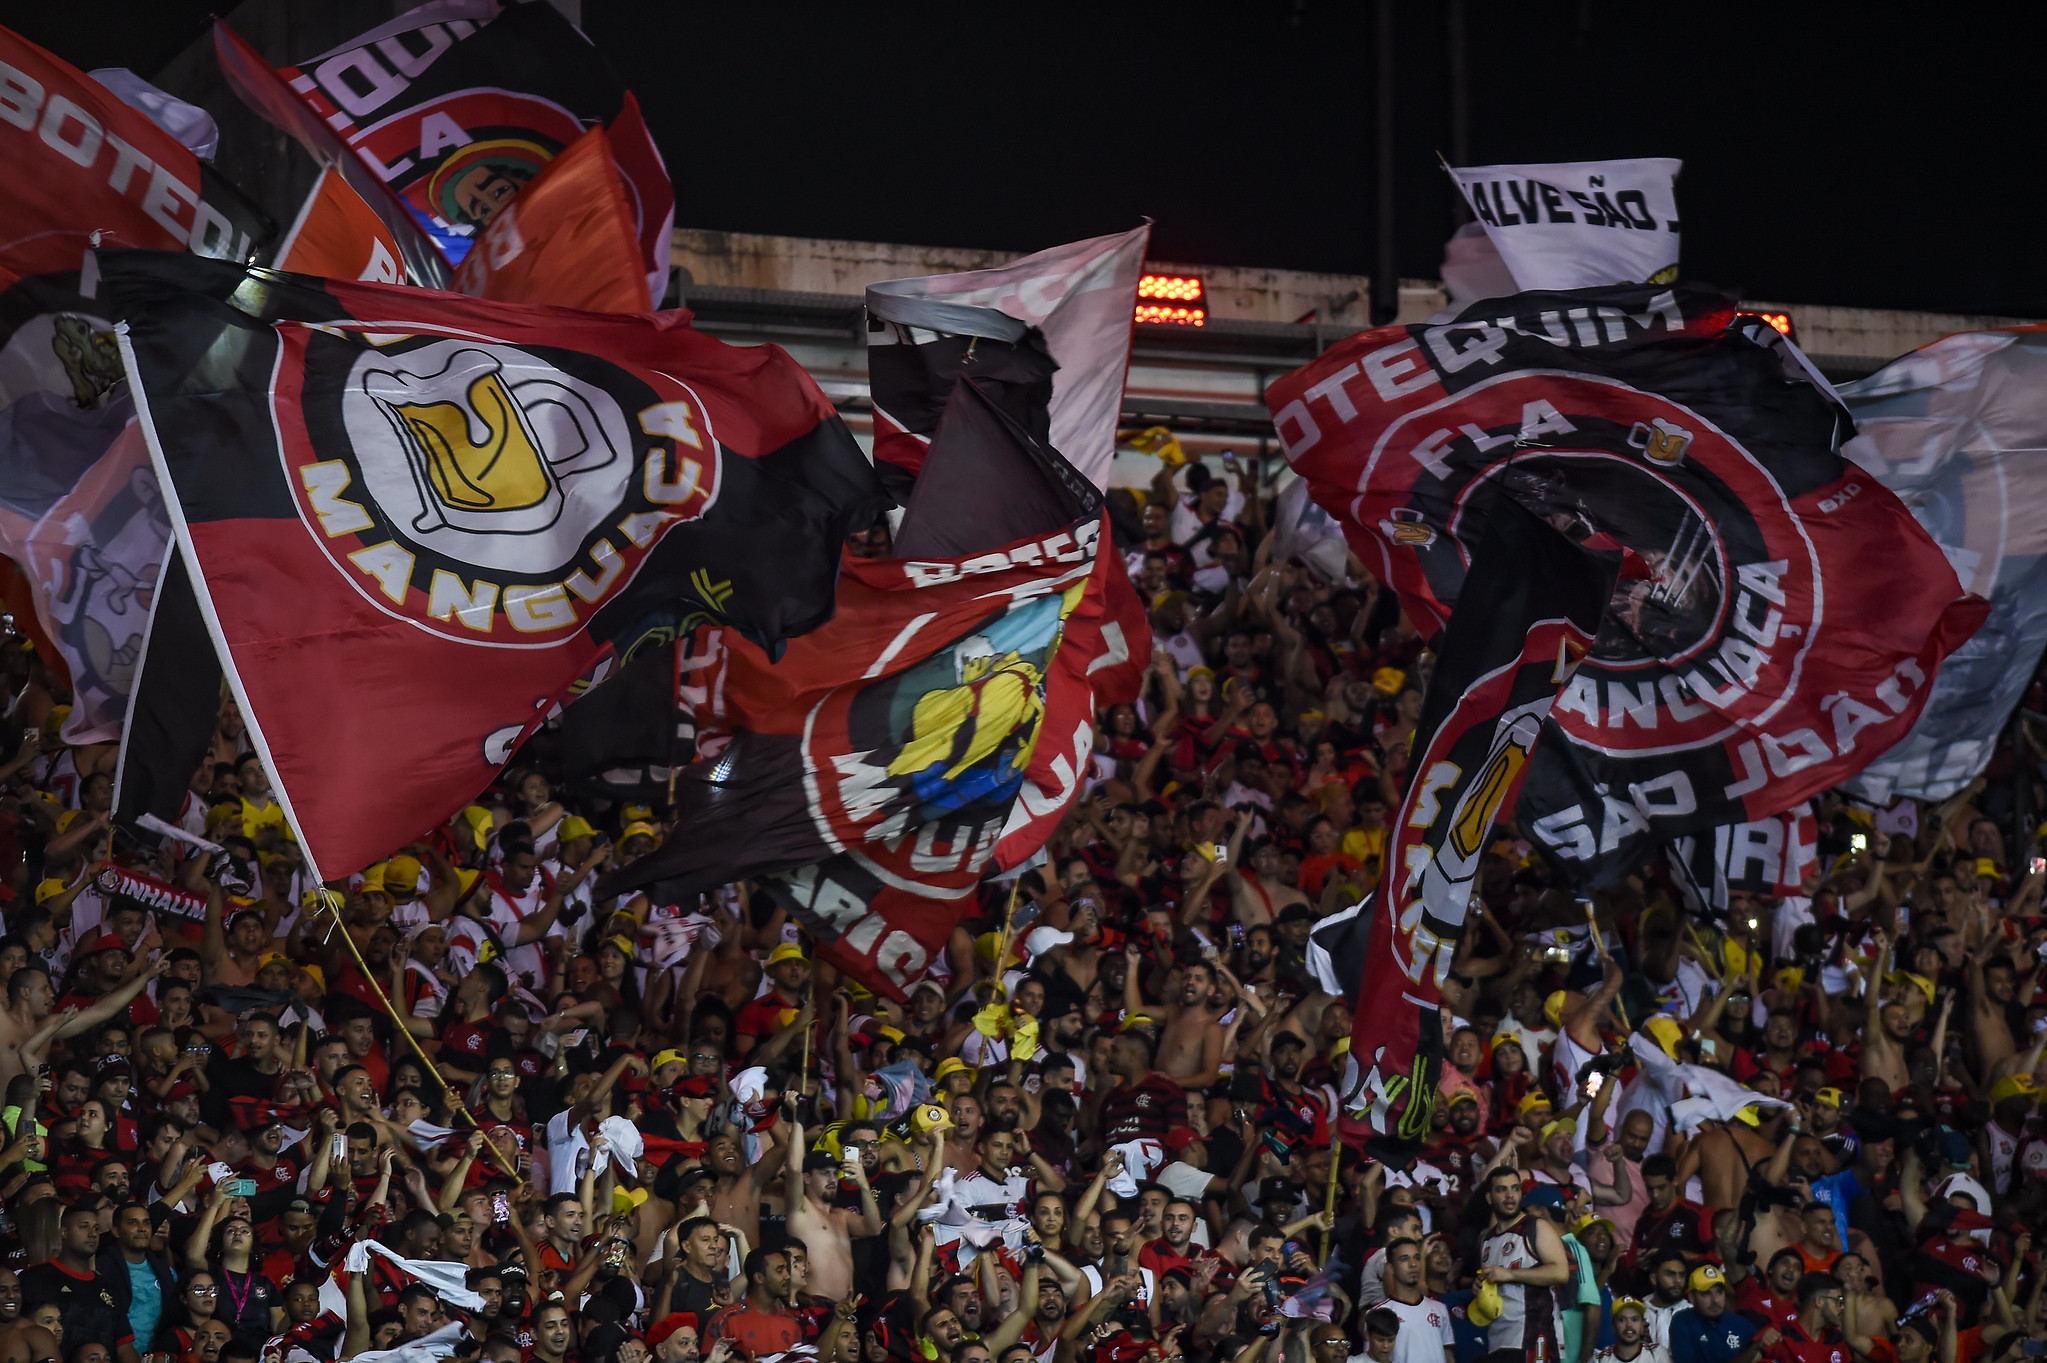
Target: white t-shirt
[(1651, 1353), (1424, 1330), (566, 1148), (1183, 1180), (1093, 1274)]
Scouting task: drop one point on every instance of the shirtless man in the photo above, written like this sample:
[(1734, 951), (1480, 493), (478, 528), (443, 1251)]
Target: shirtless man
[(26, 1023), (1899, 1014), (1191, 1042), (1257, 894), (826, 1231), (736, 1193), (21, 1342), (963, 1144), (228, 951), (1725, 1153)]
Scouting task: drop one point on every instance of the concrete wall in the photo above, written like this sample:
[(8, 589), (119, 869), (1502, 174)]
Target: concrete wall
[(807, 265), (1864, 337), (1877, 335)]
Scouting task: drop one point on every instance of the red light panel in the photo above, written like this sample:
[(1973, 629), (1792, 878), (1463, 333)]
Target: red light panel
[(1178, 287), (1779, 320), (1171, 300)]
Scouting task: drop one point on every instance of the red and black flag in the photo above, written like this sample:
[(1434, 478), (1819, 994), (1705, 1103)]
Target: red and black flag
[(1532, 605), (414, 519), (1778, 616), (870, 773), (1046, 339), (456, 106)]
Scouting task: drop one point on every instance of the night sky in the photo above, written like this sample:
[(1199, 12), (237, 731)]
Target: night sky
[(1860, 155)]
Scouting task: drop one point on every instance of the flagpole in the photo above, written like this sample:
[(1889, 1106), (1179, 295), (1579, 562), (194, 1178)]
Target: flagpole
[(1329, 1231), (331, 901)]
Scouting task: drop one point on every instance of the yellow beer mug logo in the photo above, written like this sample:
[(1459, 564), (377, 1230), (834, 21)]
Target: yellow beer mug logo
[(1663, 441), (487, 454), (502, 472)]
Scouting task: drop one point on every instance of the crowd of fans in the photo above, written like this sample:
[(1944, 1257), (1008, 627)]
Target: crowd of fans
[(461, 1106)]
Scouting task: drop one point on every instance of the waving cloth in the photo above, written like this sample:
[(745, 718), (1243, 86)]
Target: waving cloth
[(1778, 615), (450, 1281)]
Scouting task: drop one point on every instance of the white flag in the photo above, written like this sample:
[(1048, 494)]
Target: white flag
[(1579, 224), (1083, 296)]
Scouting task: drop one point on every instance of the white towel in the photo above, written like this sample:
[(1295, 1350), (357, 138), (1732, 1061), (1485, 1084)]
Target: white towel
[(450, 1281), (623, 1140), (1140, 1160), (1715, 1097), (426, 1135), (442, 1343), (750, 1084)]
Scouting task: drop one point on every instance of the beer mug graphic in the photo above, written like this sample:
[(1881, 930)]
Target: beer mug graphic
[(488, 455)]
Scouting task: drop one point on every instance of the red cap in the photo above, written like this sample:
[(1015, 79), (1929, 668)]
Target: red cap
[(1964, 1219), (100, 940), (696, 1086), (668, 1325), (1180, 1137)]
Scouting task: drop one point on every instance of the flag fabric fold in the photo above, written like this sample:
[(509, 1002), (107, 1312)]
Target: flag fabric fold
[(455, 109), (1778, 616), (390, 499), (870, 773), (1534, 607), (79, 509), (1958, 430), (567, 240), (1579, 224), (1080, 297)]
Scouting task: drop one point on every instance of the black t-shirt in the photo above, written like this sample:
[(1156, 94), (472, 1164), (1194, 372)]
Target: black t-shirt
[(87, 1304), (245, 1303), (227, 1079), (691, 1295)]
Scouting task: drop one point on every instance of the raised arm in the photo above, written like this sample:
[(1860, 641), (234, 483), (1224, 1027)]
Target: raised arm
[(115, 1003), (533, 929), (1012, 1327)]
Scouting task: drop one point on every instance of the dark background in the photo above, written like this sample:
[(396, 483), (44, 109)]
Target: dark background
[(1861, 155)]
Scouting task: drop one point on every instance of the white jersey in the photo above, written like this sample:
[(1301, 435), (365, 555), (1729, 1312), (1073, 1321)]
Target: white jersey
[(1424, 1330)]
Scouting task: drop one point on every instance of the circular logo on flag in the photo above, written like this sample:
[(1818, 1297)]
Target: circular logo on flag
[(491, 493), (460, 157), (1717, 600)]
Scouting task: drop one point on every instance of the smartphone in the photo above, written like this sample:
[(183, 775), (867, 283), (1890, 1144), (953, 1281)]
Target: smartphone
[(1858, 841), (1236, 934), (241, 1187), (2037, 865), (575, 1038), (500, 1209), (1222, 854), (2033, 1348), (337, 1146)]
